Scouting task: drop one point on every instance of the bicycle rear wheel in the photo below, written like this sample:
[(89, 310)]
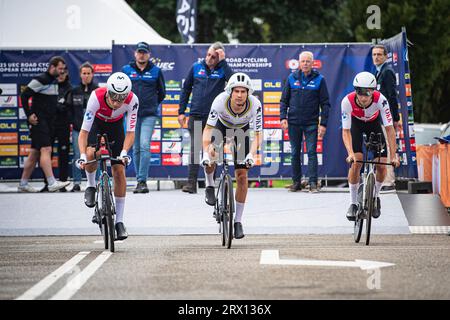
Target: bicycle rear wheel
[(370, 198), (109, 219)]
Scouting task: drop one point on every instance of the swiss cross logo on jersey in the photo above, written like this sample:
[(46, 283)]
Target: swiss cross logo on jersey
[(213, 115)]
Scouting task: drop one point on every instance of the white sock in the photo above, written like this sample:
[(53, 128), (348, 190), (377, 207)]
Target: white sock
[(51, 180), (209, 179), (377, 188), (90, 179), (120, 205), (23, 182), (239, 211), (354, 192)]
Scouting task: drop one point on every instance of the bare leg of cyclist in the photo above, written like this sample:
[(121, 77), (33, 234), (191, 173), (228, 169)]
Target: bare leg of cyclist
[(241, 192), (241, 195), (90, 168), (210, 196), (380, 176), (120, 189), (353, 183), (353, 178), (209, 175)]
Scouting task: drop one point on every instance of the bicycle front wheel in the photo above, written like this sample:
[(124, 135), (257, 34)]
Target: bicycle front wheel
[(359, 221), (370, 198), (230, 210), (109, 219)]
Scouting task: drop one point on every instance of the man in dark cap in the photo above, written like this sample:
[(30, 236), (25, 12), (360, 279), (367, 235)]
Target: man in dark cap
[(149, 86)]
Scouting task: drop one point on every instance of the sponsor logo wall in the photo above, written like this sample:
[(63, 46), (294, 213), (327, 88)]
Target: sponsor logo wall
[(17, 68)]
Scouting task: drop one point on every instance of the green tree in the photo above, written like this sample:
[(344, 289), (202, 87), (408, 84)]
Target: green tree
[(288, 21)]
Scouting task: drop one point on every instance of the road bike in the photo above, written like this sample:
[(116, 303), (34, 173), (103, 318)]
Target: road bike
[(224, 207), (105, 210), (366, 191)]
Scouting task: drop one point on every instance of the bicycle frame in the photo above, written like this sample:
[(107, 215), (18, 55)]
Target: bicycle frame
[(104, 204)]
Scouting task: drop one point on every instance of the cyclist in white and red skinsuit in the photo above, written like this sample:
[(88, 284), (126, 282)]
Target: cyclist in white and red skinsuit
[(104, 114), (361, 112)]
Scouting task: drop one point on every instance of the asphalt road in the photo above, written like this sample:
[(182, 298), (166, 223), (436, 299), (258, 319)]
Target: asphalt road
[(197, 267)]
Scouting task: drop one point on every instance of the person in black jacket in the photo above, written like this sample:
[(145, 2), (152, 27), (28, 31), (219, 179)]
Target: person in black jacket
[(43, 90), (387, 85), (76, 102), (149, 86), (304, 108), (61, 127), (205, 80)]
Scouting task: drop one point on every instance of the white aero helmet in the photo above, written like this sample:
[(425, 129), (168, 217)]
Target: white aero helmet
[(119, 86), (365, 83), (239, 80)]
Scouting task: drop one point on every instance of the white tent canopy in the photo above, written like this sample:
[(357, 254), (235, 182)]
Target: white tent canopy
[(71, 24)]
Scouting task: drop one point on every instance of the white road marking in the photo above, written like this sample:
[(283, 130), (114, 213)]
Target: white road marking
[(429, 229), (115, 241), (49, 280), (80, 279), (272, 257)]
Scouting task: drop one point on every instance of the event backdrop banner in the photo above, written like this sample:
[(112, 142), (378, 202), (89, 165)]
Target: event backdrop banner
[(17, 68), (267, 65)]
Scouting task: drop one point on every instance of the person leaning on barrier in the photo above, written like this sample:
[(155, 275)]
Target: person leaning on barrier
[(303, 101), (205, 80), (149, 86), (387, 85), (43, 89), (76, 102), (362, 112)]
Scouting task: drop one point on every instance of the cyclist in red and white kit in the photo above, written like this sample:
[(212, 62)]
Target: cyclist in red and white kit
[(361, 112), (104, 114)]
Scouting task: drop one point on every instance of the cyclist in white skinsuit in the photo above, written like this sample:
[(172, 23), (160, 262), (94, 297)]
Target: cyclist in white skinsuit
[(231, 114), (104, 114), (361, 112)]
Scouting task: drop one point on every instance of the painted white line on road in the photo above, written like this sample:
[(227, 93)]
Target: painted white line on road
[(49, 280), (80, 279), (429, 229), (115, 241), (272, 257)]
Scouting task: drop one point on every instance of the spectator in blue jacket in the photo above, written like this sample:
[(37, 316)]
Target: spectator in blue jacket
[(304, 111), (205, 80), (150, 88)]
